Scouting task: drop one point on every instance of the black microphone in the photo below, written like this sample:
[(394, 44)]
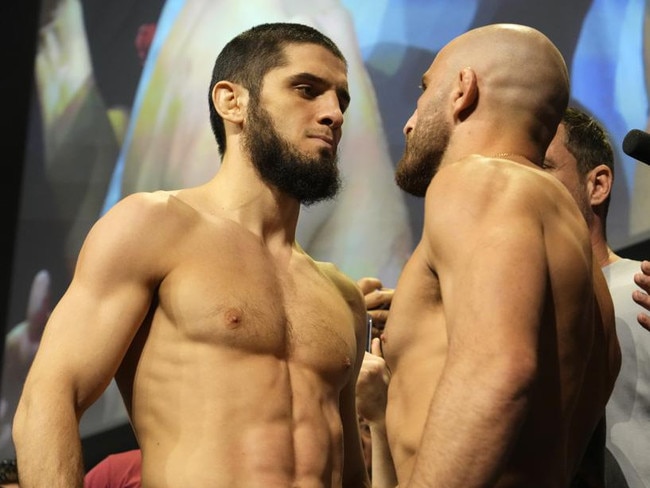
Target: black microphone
[(637, 145)]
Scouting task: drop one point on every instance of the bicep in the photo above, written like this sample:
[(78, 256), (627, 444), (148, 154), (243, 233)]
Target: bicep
[(93, 324)]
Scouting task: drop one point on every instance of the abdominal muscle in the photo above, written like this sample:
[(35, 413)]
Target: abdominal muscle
[(234, 419)]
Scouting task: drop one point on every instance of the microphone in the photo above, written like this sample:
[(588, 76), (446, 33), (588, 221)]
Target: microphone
[(637, 145)]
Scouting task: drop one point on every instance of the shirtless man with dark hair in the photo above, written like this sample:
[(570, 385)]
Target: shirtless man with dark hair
[(235, 352)]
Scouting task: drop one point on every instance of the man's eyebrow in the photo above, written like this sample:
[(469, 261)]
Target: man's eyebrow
[(341, 90)]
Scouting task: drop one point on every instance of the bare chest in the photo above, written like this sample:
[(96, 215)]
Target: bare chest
[(239, 301), (416, 329)]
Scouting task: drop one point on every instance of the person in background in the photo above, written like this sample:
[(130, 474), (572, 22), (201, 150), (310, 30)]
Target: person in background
[(184, 296), (581, 157)]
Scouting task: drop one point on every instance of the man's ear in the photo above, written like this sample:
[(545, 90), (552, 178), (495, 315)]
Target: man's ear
[(466, 94), (599, 184), (230, 100)]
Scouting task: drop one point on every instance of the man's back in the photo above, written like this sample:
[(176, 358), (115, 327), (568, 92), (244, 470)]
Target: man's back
[(500, 293)]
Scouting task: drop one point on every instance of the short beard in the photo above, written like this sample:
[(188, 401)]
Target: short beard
[(425, 148), (307, 179)]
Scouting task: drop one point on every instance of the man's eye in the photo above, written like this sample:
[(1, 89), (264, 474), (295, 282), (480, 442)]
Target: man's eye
[(546, 164), (306, 90)]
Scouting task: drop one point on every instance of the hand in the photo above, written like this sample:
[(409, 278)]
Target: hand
[(378, 300), (642, 279), (372, 386)]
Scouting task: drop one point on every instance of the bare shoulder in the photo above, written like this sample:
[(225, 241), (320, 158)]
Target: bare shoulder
[(136, 229), (496, 187), (139, 214), (142, 207), (497, 201)]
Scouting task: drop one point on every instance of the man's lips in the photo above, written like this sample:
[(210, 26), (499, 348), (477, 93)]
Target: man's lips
[(326, 139)]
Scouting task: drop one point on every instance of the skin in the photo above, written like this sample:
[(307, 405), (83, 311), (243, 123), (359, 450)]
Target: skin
[(590, 192), (222, 361), (487, 370), (181, 151), (643, 297), (167, 145), (371, 408), (372, 385)]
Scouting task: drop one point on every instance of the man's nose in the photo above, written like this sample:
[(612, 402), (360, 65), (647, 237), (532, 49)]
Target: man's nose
[(410, 123)]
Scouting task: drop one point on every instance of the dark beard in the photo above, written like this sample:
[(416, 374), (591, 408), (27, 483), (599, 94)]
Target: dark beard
[(421, 159), (414, 175), (307, 179)]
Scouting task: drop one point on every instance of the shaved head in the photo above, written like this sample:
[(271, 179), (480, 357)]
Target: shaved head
[(497, 89), (521, 75)]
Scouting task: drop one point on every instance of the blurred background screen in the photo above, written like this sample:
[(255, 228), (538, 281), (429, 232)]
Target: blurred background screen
[(115, 101)]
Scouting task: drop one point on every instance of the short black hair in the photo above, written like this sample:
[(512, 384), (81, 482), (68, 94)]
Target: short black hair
[(247, 58), (588, 142)]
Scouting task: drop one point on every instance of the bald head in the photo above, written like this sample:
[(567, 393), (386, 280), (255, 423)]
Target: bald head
[(521, 78), (496, 89)]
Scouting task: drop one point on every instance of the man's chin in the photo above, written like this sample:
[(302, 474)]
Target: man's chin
[(413, 184)]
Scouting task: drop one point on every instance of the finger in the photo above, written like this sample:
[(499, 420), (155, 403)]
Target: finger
[(642, 299), (376, 347), (369, 284), (644, 320), (643, 280), (645, 267), (379, 298)]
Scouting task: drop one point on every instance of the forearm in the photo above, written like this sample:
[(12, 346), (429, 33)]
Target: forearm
[(48, 447), (471, 426)]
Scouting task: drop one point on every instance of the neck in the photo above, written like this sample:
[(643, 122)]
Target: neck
[(239, 194), (512, 156), (601, 250)]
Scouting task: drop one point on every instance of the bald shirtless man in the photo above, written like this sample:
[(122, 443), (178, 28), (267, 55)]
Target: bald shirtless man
[(501, 310), (236, 353)]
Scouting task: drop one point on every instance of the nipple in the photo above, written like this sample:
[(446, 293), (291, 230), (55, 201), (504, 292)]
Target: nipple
[(233, 317)]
